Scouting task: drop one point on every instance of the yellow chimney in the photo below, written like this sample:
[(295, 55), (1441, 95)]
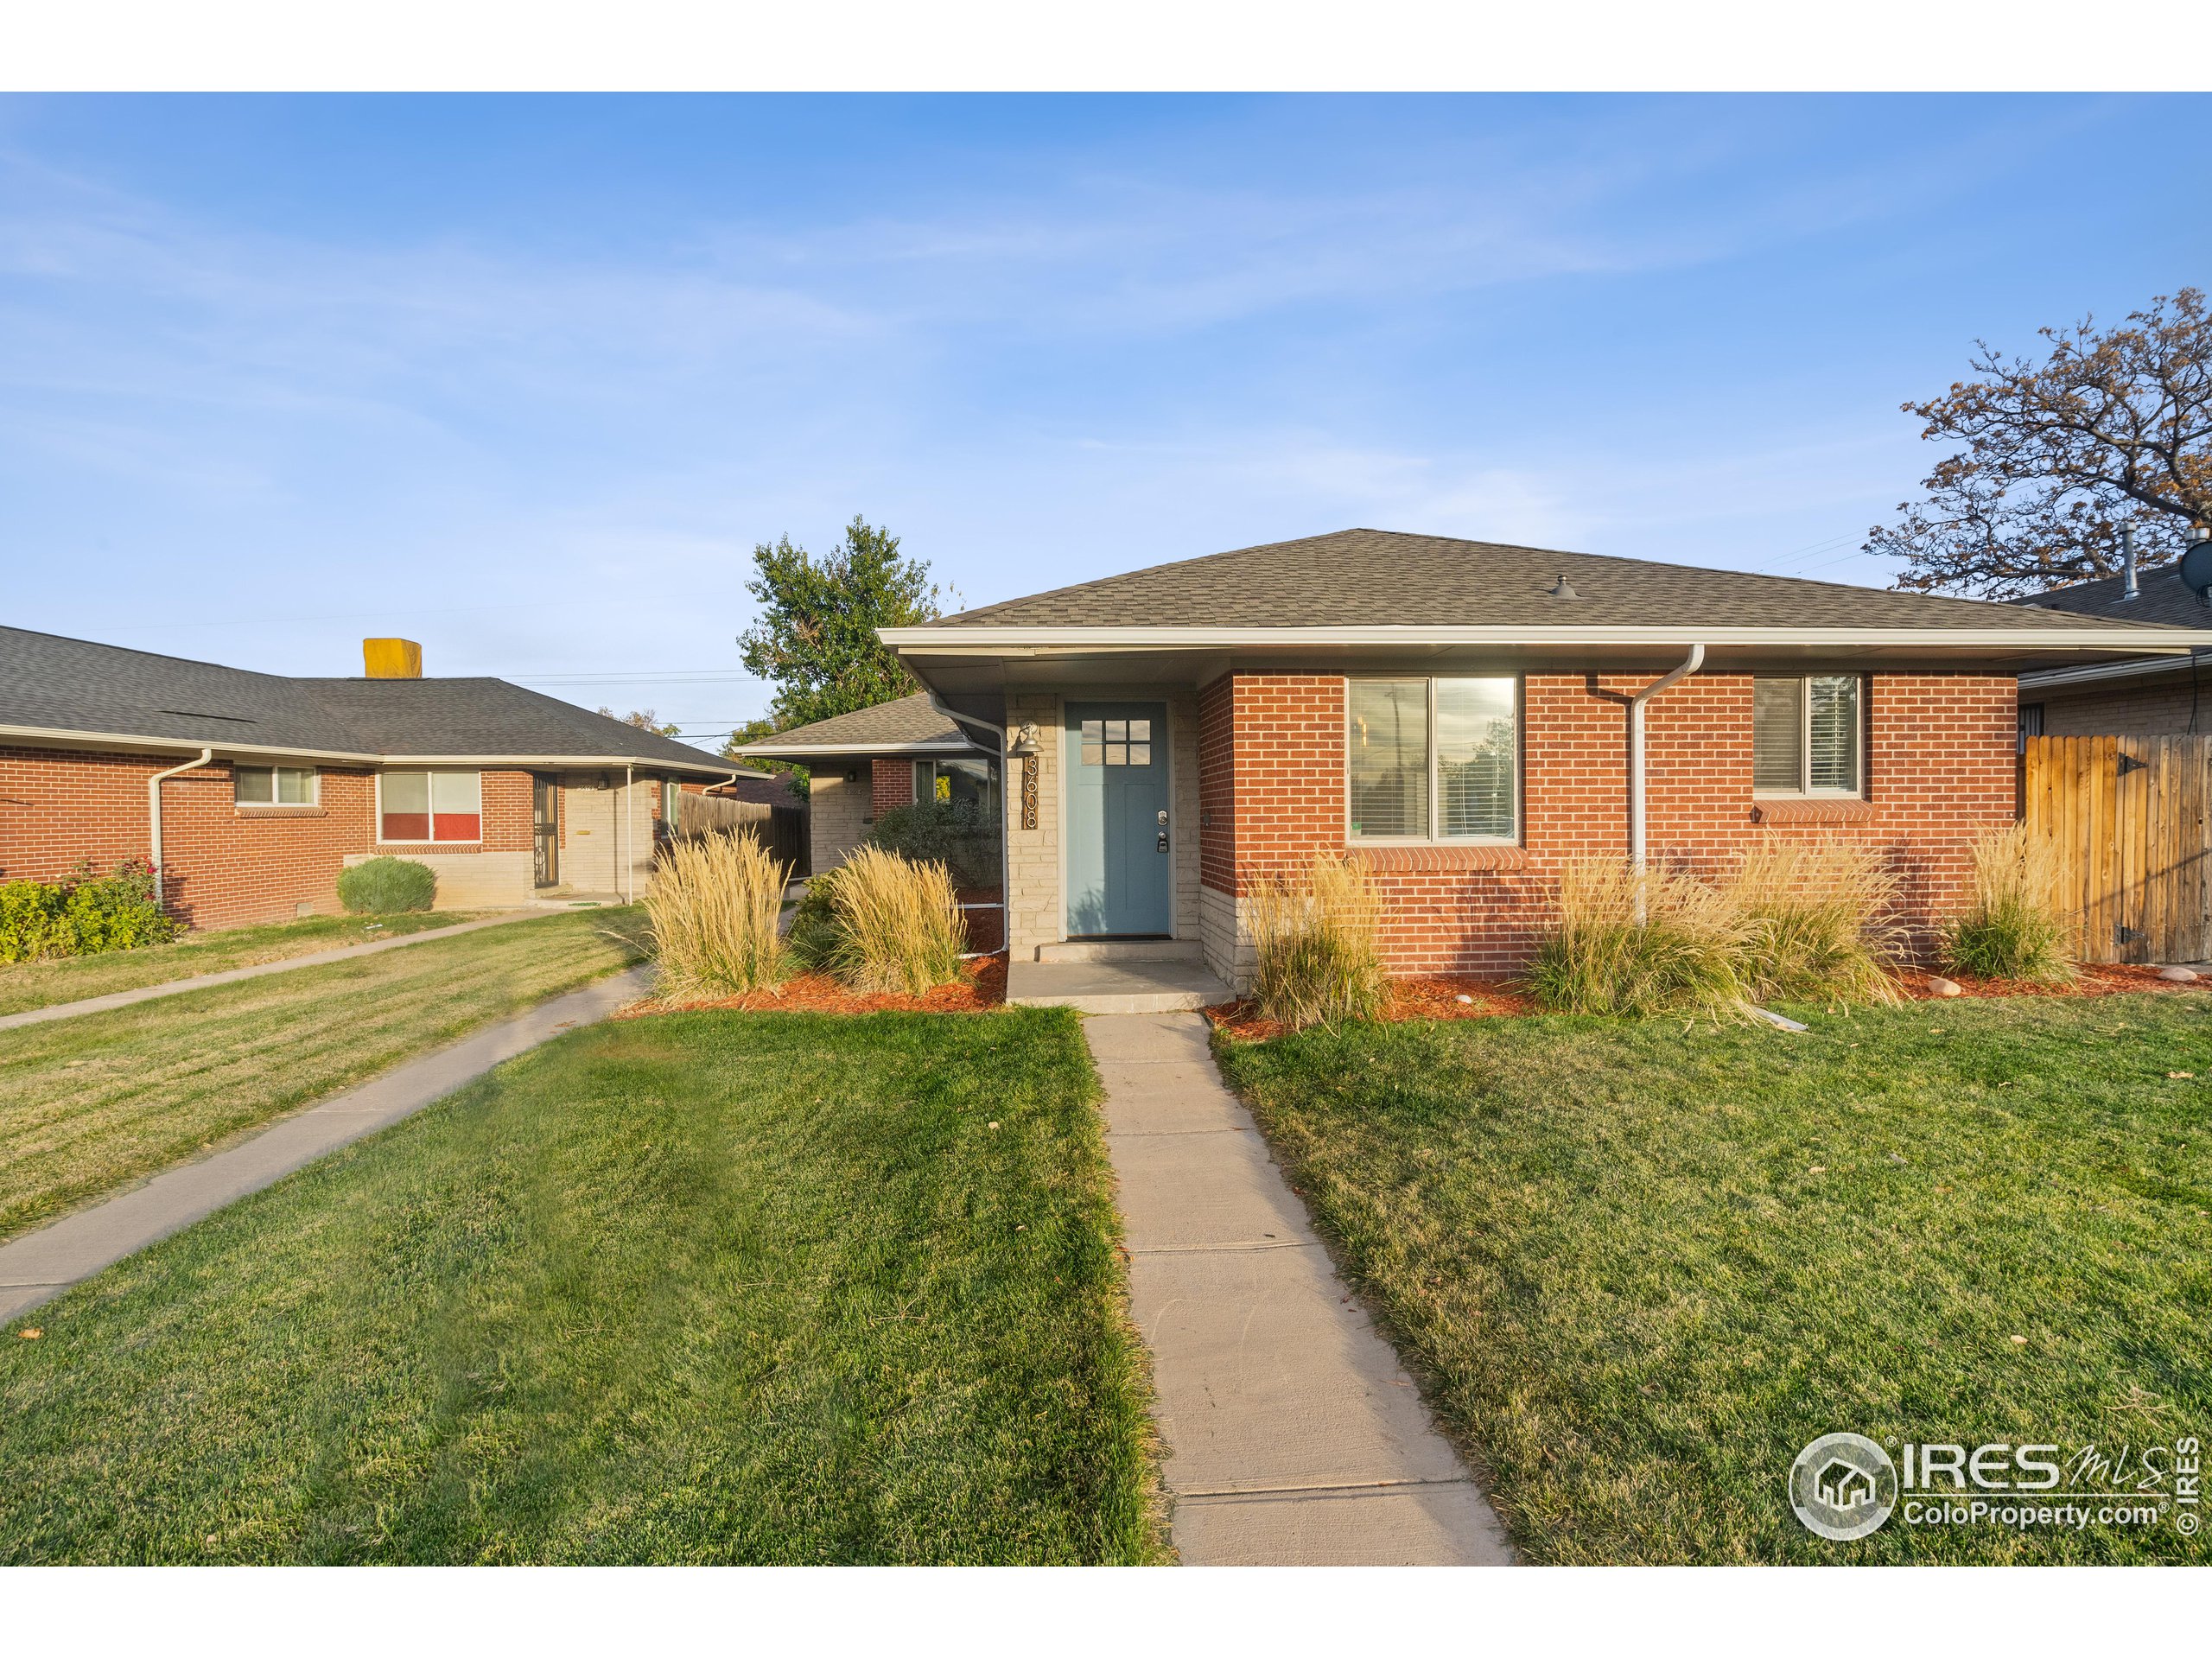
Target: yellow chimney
[(392, 659)]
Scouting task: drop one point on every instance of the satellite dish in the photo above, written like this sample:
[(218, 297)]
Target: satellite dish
[(2196, 569)]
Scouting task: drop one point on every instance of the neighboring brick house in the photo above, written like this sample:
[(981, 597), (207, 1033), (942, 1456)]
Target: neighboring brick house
[(251, 790), (2142, 696), (1457, 716), (861, 765)]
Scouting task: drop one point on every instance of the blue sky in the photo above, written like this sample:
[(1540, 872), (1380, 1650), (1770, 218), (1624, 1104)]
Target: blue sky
[(527, 379)]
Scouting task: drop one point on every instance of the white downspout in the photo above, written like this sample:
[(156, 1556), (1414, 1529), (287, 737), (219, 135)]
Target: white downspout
[(629, 836), (1680, 671), (154, 820)]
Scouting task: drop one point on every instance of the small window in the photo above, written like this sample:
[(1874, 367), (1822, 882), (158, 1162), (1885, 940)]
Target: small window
[(430, 806), (1807, 736), (1117, 742), (1445, 754), (273, 786)]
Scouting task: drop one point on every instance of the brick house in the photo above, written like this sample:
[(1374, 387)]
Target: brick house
[(1460, 716), (861, 765), (251, 792), (2139, 696)]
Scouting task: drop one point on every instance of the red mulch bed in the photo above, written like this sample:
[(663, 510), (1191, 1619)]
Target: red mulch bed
[(2091, 979), (980, 989), (1438, 997), (1433, 997)]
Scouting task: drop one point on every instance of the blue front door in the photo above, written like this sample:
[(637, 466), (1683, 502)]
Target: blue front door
[(1118, 861)]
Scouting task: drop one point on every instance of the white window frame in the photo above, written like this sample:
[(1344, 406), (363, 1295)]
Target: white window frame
[(430, 840), (1435, 794), (272, 805), (1804, 792)]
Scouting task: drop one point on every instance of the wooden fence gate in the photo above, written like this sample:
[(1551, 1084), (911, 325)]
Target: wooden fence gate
[(2127, 817)]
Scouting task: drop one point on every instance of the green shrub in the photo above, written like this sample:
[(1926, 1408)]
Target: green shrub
[(1819, 922), (1317, 937), (714, 904), (812, 940), (958, 835), (897, 924), (1639, 945), (2016, 927), (82, 914), (387, 886)]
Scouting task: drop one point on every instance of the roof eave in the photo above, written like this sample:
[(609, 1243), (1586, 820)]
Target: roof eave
[(822, 751), (55, 737), (2134, 637)]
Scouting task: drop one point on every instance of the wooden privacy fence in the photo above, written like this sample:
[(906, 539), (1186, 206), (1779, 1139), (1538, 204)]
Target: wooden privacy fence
[(2127, 817), (781, 829)]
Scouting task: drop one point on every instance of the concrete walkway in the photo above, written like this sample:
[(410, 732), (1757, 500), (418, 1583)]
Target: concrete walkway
[(1293, 1437), (231, 976), (41, 1265)]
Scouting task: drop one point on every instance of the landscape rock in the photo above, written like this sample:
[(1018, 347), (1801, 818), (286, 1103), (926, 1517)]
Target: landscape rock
[(2179, 976), (1941, 987)]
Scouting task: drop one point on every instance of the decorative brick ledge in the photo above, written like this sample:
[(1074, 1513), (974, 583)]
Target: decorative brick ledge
[(1812, 811), (1441, 858)]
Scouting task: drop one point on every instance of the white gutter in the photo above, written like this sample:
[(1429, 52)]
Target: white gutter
[(1680, 671), (68, 737), (154, 818), (802, 751), (2135, 637), (2044, 678)]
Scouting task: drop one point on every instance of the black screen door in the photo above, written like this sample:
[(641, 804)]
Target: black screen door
[(545, 830)]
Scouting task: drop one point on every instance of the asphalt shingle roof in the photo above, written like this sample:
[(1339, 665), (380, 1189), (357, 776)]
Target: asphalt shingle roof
[(78, 685), (902, 721), (2163, 598), (1383, 578)]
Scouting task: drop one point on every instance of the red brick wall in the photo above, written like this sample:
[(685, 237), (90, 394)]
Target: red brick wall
[(892, 784), (2124, 710), (1940, 753), (228, 866)]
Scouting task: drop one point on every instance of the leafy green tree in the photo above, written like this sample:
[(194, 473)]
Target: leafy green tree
[(815, 639), (2113, 428)]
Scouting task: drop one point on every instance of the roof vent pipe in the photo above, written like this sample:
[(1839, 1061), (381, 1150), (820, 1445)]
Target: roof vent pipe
[(1563, 588), (2131, 589)]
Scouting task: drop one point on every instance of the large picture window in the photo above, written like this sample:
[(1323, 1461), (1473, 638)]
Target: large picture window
[(430, 806), (1806, 735), (273, 786), (1434, 759)]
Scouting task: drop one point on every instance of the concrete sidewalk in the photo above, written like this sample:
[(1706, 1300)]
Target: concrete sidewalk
[(41, 1265), (231, 976), (1293, 1437)]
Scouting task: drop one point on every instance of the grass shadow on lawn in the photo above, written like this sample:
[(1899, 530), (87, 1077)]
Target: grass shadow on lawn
[(1642, 1267), (703, 1287)]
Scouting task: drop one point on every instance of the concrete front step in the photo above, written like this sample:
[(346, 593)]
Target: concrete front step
[(1114, 987), (1123, 950)]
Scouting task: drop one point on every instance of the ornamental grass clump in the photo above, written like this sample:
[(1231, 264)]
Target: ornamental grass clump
[(1680, 950), (2017, 928), (1317, 934), (896, 922), (713, 906), (1819, 922)]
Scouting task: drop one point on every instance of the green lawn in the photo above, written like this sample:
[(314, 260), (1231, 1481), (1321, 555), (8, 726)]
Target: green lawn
[(698, 1288), (92, 1102), (1642, 1267), (26, 985)]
